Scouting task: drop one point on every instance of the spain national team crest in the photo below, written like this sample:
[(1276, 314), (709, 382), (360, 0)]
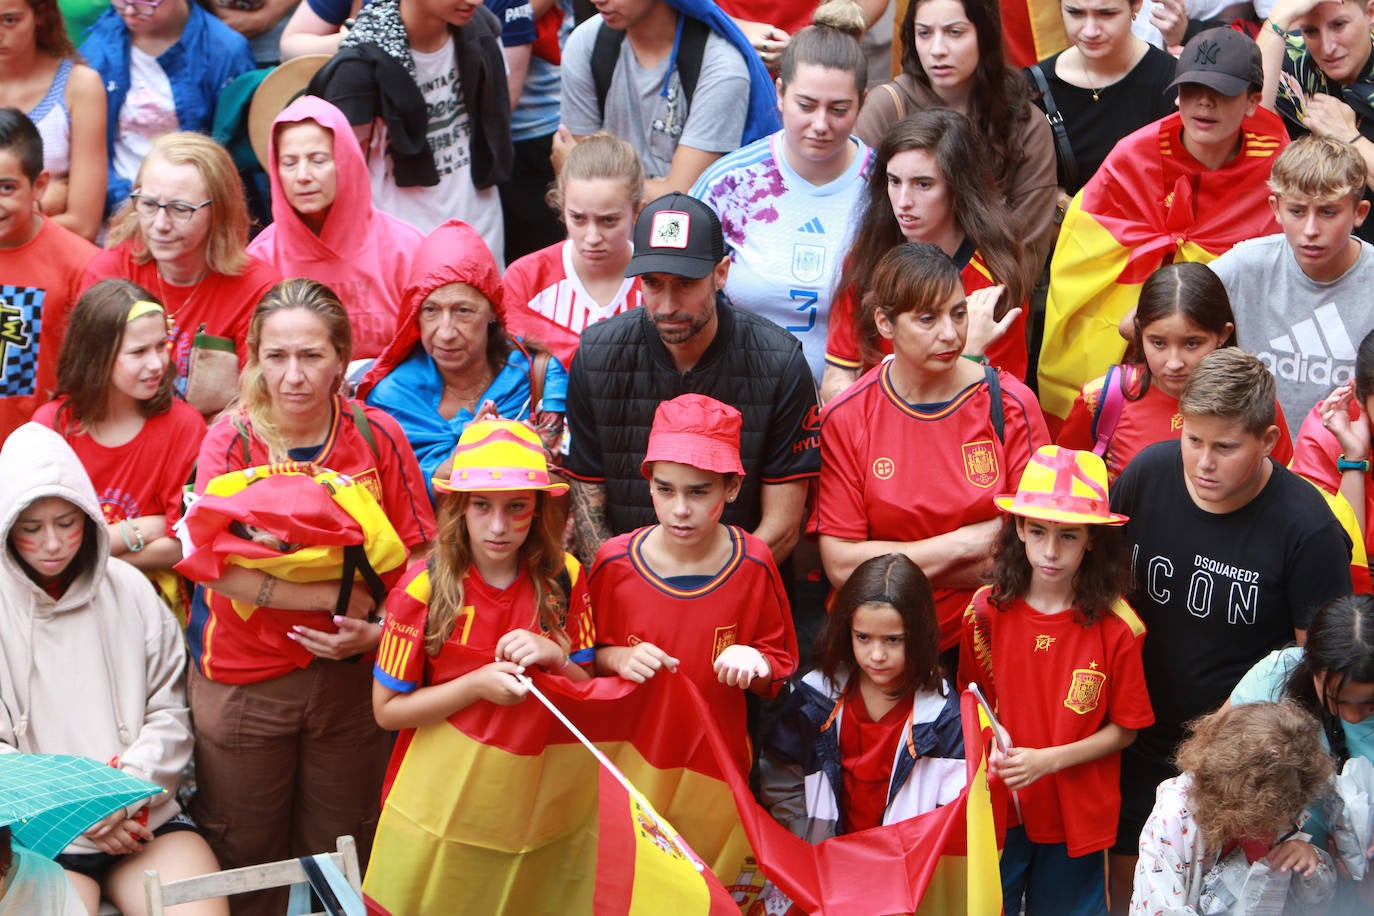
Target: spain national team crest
[(725, 637), (883, 467), (980, 463), (1085, 690), (808, 262)]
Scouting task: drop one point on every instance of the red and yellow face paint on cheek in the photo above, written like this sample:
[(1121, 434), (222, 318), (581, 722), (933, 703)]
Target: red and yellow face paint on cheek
[(717, 510), (521, 520)]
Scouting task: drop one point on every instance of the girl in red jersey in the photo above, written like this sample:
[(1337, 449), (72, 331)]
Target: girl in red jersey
[(872, 735), (496, 581), (553, 294), (1183, 314), (1057, 651), (138, 443)]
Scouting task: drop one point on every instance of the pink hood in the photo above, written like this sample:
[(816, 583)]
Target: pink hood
[(453, 253), (362, 254)]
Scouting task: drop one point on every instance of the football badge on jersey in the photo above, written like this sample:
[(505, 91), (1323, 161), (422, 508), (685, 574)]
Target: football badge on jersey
[(670, 229), (808, 262), (980, 463), (1085, 690), (725, 638)]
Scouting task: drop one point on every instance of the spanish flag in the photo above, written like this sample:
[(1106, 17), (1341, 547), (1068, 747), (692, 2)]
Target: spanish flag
[(1032, 30), (1149, 204), (501, 810)]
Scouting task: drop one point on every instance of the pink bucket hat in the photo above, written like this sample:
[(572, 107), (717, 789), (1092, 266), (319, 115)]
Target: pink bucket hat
[(498, 455), (1065, 486), (697, 431)]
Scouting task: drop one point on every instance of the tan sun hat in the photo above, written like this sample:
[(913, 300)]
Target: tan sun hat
[(277, 90)]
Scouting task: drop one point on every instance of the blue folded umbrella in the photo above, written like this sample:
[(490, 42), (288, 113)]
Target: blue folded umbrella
[(48, 800)]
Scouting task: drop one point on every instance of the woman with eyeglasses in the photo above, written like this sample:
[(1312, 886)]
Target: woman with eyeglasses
[(181, 235), (164, 64)]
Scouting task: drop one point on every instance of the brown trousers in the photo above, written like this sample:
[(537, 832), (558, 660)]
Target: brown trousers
[(285, 766)]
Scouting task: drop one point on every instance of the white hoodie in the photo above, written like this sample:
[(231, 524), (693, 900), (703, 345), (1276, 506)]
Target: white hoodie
[(101, 671)]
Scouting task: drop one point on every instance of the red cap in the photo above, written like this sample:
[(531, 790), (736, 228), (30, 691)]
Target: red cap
[(697, 431)]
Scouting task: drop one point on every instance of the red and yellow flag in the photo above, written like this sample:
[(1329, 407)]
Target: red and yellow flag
[(1151, 203), (1032, 30), (500, 810)]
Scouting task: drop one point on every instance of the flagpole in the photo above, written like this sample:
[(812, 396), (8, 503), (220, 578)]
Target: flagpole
[(668, 829)]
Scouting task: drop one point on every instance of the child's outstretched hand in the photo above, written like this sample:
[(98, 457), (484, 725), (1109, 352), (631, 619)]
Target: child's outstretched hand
[(497, 683), (639, 662), (1022, 766), (1298, 856), (739, 664), (526, 649)]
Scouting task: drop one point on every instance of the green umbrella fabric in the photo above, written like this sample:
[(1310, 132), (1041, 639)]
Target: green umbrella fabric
[(48, 800)]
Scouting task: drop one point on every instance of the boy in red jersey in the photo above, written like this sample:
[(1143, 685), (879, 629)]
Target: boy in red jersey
[(690, 592)]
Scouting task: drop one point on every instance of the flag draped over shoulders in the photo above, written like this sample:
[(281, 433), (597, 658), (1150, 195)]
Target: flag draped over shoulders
[(1032, 30), (501, 808), (1151, 203)]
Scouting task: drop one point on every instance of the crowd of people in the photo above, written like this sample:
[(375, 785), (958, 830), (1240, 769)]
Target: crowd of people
[(675, 338)]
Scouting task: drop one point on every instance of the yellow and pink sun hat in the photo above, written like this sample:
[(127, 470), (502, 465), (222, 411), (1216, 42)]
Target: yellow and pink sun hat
[(1065, 486), (494, 455)]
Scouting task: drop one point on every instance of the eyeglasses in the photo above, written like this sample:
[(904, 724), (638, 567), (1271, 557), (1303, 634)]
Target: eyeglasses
[(179, 211), (140, 7)]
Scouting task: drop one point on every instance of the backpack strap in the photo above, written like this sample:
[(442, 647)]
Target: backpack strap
[(605, 55), (539, 368), (1111, 401), (995, 410), (1062, 147), (691, 50), (242, 429), (896, 100), (364, 426)]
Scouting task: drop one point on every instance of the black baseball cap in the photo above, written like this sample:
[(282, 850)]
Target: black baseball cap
[(676, 234), (1222, 59)]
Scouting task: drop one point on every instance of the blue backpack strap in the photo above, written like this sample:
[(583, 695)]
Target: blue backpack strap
[(995, 410)]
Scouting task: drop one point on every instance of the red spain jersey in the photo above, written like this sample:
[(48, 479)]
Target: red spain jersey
[(547, 303), (145, 475), (1061, 682), (1153, 418), (488, 614), (694, 618), (892, 471), (225, 645), (1007, 352)]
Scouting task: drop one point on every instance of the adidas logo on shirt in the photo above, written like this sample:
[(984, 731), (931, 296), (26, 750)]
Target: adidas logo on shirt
[(813, 225), (1317, 350)]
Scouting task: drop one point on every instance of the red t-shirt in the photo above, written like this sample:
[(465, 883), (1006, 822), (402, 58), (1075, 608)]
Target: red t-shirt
[(789, 15), (1063, 682), (877, 451), (39, 284), (867, 750), (694, 621), (226, 646), (1007, 352), (1153, 418), (547, 303), (222, 303), (145, 475)]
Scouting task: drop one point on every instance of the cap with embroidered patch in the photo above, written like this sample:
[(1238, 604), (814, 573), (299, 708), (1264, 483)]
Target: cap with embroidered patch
[(1222, 59), (676, 234)]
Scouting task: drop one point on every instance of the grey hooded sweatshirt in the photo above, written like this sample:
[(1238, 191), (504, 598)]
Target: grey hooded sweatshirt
[(101, 671)]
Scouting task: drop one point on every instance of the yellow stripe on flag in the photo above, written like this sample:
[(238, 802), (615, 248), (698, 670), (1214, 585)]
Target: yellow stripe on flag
[(665, 880), (984, 872)]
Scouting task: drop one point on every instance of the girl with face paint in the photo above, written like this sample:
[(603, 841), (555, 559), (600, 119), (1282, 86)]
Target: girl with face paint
[(99, 670)]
